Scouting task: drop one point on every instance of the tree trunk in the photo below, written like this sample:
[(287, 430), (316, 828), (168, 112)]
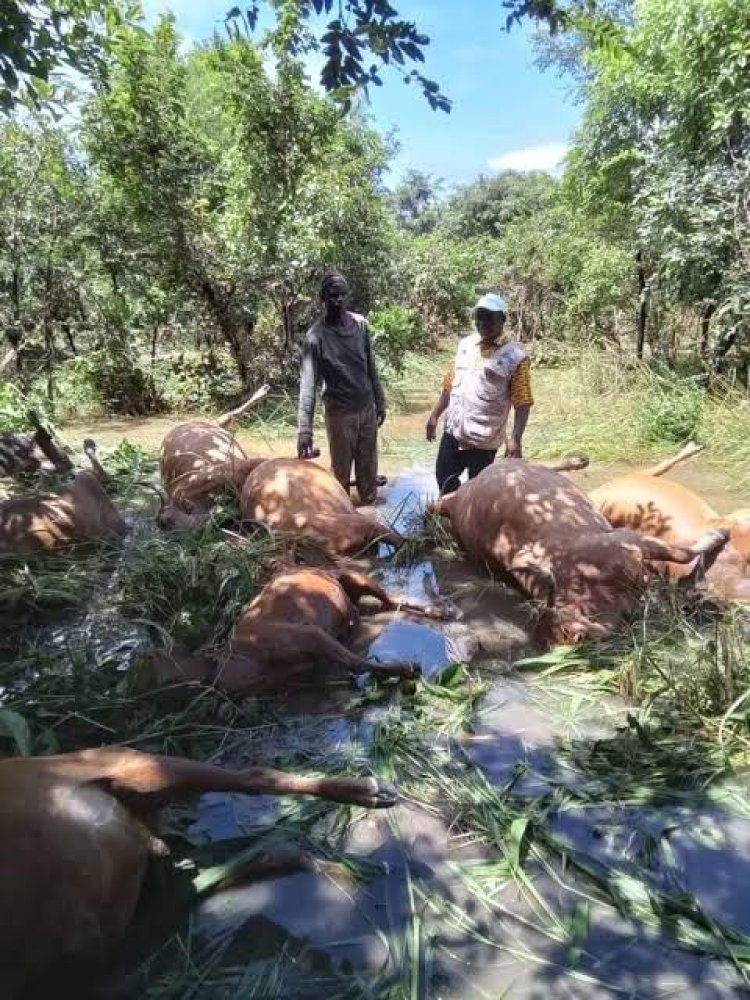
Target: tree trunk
[(236, 331), (68, 334), (49, 336), (705, 322), (642, 316)]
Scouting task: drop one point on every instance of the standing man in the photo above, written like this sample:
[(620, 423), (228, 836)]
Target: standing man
[(338, 353), (490, 376)]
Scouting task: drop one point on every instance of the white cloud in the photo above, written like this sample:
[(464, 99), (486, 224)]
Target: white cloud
[(548, 158)]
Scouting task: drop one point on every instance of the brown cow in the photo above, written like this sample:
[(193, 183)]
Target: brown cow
[(22, 453), (301, 497), (294, 624), (667, 510), (534, 526), (77, 836), (51, 522), (199, 458)]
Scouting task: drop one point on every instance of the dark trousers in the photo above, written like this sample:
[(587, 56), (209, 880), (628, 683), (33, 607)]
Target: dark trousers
[(452, 461), (353, 439)]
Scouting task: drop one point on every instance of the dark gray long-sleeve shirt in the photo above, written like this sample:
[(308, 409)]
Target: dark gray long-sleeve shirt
[(341, 358)]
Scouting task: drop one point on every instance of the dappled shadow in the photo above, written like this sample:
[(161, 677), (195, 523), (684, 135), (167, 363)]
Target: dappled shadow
[(198, 458), (536, 525), (51, 522), (301, 497)]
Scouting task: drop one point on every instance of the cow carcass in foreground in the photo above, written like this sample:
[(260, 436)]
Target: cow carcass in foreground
[(302, 498), (78, 832), (52, 522), (533, 526), (663, 509)]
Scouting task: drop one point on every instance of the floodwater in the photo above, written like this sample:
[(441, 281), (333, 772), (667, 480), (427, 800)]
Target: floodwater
[(416, 920)]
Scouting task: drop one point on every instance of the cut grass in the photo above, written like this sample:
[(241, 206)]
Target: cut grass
[(685, 668)]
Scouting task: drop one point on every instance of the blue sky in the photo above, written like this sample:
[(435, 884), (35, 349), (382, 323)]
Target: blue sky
[(506, 112)]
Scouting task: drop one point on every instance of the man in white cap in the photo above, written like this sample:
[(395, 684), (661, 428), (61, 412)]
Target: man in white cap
[(490, 376)]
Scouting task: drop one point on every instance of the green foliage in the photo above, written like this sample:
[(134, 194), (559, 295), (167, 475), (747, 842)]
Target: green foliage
[(441, 280), (395, 333), (672, 413), (662, 153), (14, 408), (486, 206), (195, 585), (39, 38), (415, 201)]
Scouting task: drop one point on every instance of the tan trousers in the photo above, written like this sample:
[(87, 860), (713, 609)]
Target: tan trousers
[(353, 439)]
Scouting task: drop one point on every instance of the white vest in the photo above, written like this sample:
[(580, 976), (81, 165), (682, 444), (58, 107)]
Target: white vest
[(480, 397)]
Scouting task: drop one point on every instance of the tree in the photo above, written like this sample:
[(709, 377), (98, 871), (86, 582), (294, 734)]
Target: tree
[(43, 240), (664, 147), (415, 200), (41, 37), (486, 206), (236, 187)]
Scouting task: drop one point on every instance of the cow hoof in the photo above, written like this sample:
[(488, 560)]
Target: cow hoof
[(378, 794), (714, 539), (443, 613)]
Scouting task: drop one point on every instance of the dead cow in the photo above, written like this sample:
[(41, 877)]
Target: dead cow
[(78, 831), (301, 497), (24, 453), (671, 512), (296, 623), (198, 459), (55, 521), (533, 526)]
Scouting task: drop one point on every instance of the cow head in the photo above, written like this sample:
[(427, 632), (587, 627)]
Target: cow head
[(360, 532), (181, 515), (738, 524)]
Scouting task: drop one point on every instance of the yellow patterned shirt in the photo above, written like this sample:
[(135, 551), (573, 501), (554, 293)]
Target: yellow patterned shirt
[(520, 383)]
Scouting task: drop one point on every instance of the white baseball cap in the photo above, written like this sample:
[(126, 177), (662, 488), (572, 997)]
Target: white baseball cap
[(492, 303)]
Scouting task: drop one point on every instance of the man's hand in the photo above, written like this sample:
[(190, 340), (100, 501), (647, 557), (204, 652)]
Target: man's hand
[(513, 448), (431, 428), (381, 417), (304, 445)]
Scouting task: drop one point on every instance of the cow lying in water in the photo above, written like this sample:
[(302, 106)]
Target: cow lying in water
[(535, 528), (23, 453), (295, 624), (667, 510), (77, 835), (198, 459), (55, 521), (300, 497)]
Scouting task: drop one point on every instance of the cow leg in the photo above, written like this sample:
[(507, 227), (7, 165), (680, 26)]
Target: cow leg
[(89, 449), (709, 544), (571, 463), (357, 585), (144, 782), (286, 644), (537, 581), (669, 463)]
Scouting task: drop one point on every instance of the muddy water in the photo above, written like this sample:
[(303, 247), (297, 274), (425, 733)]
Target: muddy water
[(316, 934), (414, 920)]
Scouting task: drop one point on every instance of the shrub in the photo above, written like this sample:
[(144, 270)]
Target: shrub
[(672, 414), (395, 333)]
